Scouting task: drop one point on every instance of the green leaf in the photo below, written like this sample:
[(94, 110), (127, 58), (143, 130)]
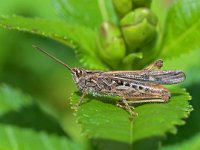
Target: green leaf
[(12, 99), (89, 14), (182, 28), (17, 114), (101, 119), (57, 30), (80, 38), (190, 144), (15, 138), (17, 108)]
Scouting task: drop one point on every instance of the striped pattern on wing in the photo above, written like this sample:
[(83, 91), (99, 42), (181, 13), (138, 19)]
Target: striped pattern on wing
[(154, 77)]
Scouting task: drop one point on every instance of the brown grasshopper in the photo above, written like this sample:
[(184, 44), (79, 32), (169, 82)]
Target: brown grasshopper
[(139, 86)]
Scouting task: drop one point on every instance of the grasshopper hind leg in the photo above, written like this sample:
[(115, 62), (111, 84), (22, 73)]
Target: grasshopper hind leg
[(157, 64)]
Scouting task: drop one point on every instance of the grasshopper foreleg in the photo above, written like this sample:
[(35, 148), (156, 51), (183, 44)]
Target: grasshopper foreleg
[(79, 102)]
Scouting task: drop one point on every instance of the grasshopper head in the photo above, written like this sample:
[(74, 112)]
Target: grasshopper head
[(77, 73)]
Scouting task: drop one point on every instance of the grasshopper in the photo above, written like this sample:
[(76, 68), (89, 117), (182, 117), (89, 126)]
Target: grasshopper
[(139, 86)]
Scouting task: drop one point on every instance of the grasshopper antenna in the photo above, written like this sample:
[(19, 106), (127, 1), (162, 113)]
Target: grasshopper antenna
[(54, 58)]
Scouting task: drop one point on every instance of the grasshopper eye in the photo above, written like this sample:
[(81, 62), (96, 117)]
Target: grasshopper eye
[(78, 73)]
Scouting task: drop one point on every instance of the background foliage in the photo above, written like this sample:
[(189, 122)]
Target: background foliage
[(34, 92)]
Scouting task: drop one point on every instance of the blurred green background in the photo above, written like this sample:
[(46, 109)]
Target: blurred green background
[(24, 68), (50, 84)]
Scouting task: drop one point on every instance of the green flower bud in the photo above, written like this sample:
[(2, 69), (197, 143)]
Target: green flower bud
[(141, 3), (111, 46), (139, 27), (122, 7), (129, 60)]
